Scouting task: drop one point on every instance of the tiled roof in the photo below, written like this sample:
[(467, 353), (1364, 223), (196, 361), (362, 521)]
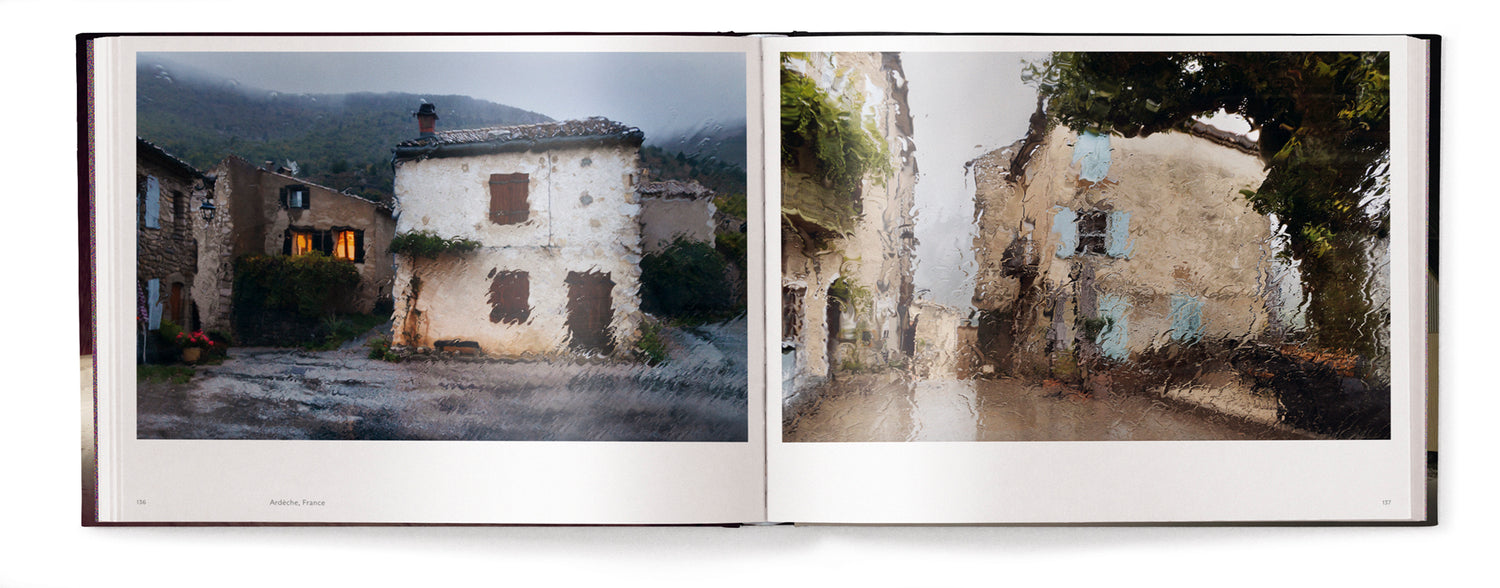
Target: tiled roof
[(167, 159), (689, 189), (595, 130)]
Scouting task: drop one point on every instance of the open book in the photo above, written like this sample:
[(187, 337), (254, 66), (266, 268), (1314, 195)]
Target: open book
[(593, 280)]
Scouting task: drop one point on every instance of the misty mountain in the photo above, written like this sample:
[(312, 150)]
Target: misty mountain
[(344, 141), (725, 143)]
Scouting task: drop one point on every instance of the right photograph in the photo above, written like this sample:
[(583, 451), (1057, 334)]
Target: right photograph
[(1085, 246)]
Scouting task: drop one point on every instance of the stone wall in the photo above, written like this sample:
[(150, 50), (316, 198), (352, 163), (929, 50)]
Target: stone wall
[(168, 252), (664, 220), (583, 217), (875, 258), (252, 219)]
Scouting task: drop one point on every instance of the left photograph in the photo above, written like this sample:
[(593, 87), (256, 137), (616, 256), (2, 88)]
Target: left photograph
[(441, 246)]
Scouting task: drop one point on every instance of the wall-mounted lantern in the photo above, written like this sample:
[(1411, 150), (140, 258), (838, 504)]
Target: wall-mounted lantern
[(208, 209)]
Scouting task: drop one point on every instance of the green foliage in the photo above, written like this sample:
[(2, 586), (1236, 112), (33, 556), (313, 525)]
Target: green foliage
[(733, 204), (311, 284), (685, 280), (380, 348), (826, 138), (848, 294), (1324, 120), (340, 328), (719, 176), (732, 247), (169, 332), (429, 245), (651, 347), (175, 374)]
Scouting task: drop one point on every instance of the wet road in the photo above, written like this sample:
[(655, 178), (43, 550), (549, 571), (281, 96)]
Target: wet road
[(272, 393), (875, 408)]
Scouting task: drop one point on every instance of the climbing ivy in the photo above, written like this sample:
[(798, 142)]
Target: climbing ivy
[(826, 138), (429, 245)]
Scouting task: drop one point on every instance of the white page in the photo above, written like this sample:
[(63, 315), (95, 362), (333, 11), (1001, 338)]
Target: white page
[(394, 481), (948, 481)]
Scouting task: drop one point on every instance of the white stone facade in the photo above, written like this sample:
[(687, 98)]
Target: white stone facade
[(582, 218)]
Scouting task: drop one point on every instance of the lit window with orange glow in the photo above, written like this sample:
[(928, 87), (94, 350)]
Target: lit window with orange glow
[(302, 243), (343, 246)]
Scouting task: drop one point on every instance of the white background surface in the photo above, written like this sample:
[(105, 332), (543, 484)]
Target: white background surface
[(42, 544)]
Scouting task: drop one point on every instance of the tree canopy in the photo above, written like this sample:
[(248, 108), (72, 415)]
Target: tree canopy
[(1324, 121)]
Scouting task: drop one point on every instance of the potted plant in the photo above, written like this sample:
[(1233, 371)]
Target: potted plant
[(193, 344)]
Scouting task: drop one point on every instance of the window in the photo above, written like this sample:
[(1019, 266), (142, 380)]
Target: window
[(349, 244), (791, 315), (180, 212), (1187, 318), (341, 243), (1093, 225), (508, 193), (510, 293), (296, 196), (1095, 232), (302, 242)]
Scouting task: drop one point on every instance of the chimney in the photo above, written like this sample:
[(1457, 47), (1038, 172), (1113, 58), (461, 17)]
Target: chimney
[(426, 119)]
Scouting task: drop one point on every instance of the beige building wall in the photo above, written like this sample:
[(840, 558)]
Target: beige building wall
[(251, 219), (583, 217), (1190, 234), (875, 258)]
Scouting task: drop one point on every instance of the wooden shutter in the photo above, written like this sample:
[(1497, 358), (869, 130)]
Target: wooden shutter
[(286, 242), (359, 246), (284, 202), (1117, 242), (508, 198), (510, 294), (153, 304), (153, 203), (1064, 225)]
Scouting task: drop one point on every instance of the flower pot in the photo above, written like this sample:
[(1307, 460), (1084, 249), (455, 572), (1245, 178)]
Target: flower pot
[(192, 354)]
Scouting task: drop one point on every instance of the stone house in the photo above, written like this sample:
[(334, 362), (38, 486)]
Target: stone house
[(1095, 247), (675, 209), (554, 209), (846, 289), (265, 211), (167, 189)]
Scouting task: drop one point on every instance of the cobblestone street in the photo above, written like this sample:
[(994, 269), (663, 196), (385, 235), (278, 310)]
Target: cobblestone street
[(876, 408), (277, 393)]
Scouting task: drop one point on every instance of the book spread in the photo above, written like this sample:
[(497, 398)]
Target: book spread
[(988, 279)]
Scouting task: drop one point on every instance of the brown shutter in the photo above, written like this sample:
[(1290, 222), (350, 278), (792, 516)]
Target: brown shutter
[(509, 297), (508, 202)]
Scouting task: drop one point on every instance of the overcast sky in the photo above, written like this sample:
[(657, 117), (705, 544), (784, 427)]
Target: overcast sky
[(658, 92), (963, 105)]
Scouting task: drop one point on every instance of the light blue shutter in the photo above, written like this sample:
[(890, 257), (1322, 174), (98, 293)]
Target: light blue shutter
[(1112, 339), (153, 305), (1065, 225), (1187, 318), (1093, 151), (153, 203), (1117, 241)]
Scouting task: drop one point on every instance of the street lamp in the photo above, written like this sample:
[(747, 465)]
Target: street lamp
[(208, 209)]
